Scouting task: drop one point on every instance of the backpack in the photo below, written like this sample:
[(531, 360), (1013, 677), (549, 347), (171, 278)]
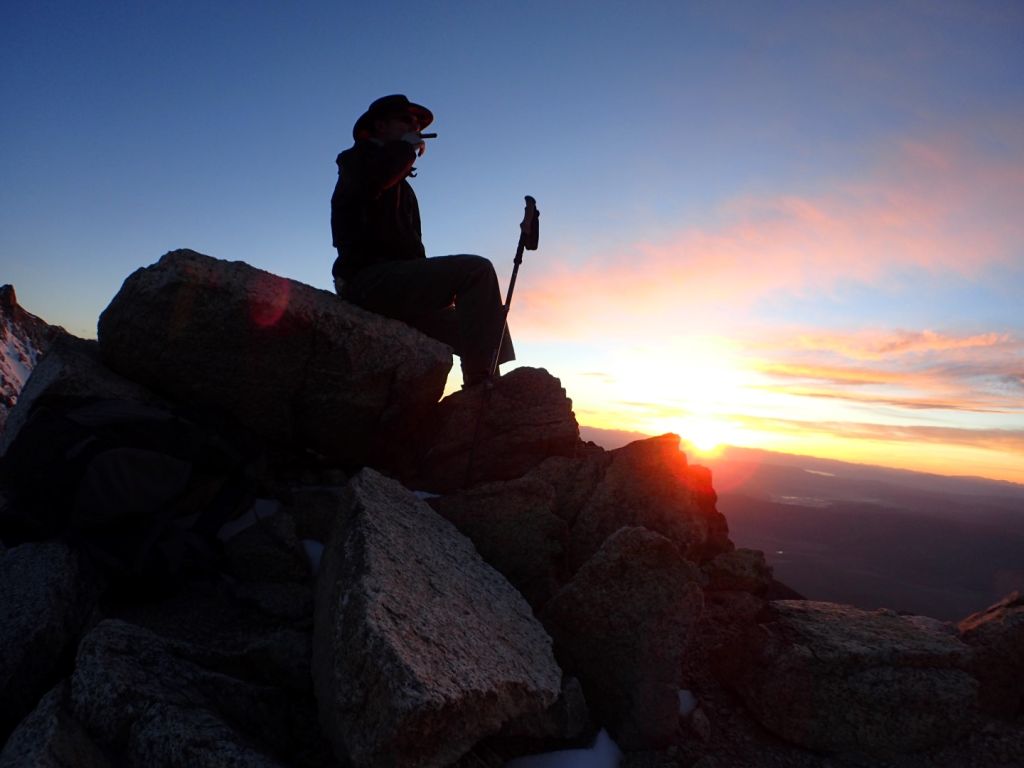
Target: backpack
[(141, 489)]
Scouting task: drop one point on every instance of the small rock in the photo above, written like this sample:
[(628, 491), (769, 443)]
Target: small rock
[(741, 570), (621, 625), (699, 725), (269, 550)]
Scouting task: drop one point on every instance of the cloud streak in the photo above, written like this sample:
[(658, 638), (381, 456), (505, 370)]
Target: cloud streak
[(906, 369), (1010, 440), (941, 207)]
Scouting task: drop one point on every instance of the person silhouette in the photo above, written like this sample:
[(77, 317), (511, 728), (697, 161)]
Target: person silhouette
[(382, 265)]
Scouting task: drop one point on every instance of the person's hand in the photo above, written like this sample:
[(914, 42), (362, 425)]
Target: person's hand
[(414, 138)]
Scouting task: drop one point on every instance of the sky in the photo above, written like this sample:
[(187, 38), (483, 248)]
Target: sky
[(791, 226)]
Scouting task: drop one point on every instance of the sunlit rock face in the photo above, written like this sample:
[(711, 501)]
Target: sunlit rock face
[(24, 338), (648, 483), (835, 678), (291, 362)]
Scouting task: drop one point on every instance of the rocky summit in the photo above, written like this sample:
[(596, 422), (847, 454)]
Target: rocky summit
[(243, 528)]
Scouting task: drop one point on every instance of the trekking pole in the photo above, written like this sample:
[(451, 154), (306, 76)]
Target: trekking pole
[(529, 234)]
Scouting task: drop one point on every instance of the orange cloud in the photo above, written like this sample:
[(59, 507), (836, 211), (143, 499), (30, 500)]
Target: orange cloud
[(1011, 440), (918, 370), (877, 345)]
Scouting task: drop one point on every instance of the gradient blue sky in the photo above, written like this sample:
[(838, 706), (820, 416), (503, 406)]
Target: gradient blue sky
[(791, 225)]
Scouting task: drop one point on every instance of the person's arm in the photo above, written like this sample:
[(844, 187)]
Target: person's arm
[(380, 167)]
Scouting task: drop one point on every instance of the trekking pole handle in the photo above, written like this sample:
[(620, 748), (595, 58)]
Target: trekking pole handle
[(530, 228)]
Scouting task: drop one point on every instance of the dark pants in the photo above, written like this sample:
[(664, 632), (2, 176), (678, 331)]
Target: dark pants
[(454, 299)]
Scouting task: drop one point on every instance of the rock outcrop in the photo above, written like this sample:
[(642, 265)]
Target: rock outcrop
[(834, 678), (290, 362), (996, 638), (481, 434), (46, 604), (649, 484), (621, 625), (420, 648)]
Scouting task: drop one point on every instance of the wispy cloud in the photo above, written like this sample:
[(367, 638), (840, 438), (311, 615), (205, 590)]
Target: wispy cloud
[(941, 206), (878, 345), (905, 369), (1011, 440)]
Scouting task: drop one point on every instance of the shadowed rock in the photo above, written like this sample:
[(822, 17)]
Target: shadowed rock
[(566, 723), (572, 479), (420, 648), (46, 603), (514, 528), (154, 701), (50, 737), (835, 678), (72, 368), (621, 626), (289, 361), (648, 484), (481, 434), (742, 570), (996, 637)]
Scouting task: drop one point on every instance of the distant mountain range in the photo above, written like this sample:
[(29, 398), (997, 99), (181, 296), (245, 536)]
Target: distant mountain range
[(870, 536)]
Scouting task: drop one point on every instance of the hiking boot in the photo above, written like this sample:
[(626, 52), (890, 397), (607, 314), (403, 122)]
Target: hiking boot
[(485, 381)]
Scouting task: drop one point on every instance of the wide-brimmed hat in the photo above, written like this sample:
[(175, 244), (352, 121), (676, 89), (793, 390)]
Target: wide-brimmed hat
[(389, 106)]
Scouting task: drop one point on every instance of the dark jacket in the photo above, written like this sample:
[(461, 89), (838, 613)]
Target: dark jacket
[(374, 213)]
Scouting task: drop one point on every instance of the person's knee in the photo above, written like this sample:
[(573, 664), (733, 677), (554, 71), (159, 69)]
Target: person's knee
[(472, 262)]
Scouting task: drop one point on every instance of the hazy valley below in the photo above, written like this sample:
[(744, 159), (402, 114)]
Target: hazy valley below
[(870, 536), (876, 538)]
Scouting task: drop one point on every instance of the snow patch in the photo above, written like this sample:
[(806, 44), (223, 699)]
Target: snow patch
[(17, 357), (687, 703), (315, 552), (603, 754)]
